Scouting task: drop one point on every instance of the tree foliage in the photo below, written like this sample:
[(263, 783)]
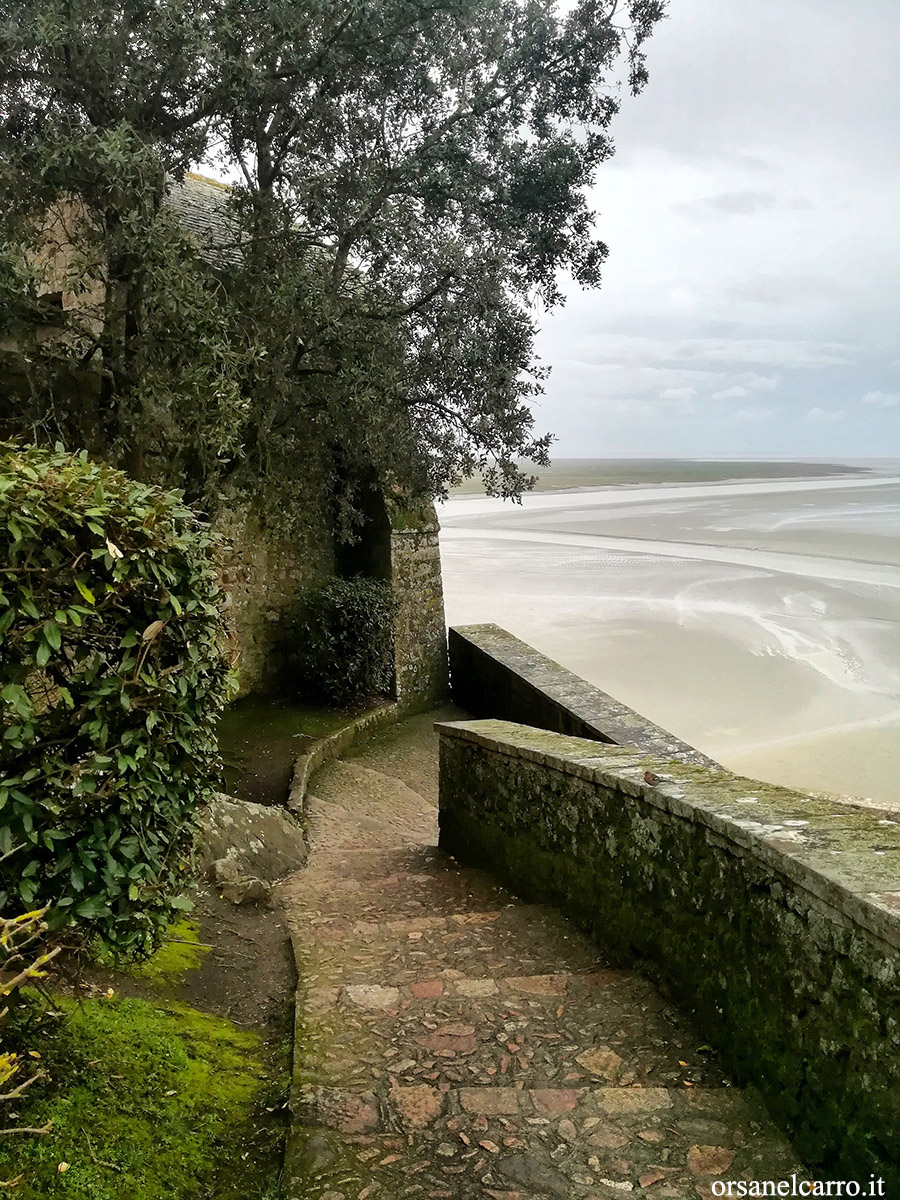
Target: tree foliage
[(412, 183), (112, 677)]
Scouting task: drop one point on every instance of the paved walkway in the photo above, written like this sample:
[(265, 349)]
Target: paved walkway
[(457, 1043)]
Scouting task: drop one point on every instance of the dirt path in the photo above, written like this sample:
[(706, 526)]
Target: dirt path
[(458, 1043)]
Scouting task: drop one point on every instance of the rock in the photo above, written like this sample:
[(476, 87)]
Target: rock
[(554, 1102), (709, 1160), (567, 1131), (475, 987), (602, 1061), (620, 1101), (335, 1108), (418, 1106), (263, 843), (654, 1175), (373, 996), (246, 891), (316, 1155), (539, 985), (522, 1168), (428, 989), (493, 1102), (223, 870)]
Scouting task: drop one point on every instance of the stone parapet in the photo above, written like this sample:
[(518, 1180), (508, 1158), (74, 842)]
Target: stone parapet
[(494, 674), (771, 916)]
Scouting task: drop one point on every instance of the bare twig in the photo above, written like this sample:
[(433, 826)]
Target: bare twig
[(29, 1129)]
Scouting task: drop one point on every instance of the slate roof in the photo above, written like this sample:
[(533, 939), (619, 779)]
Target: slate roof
[(201, 205)]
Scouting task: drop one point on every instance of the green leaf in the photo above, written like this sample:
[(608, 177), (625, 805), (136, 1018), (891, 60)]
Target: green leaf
[(85, 591)]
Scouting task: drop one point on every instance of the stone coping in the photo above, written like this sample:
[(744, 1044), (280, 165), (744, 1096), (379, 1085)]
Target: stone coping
[(329, 747), (848, 859), (495, 674)]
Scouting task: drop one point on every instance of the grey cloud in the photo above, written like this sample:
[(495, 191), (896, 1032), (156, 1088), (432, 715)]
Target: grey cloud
[(751, 217), (738, 204), (752, 414), (882, 399), (767, 352), (785, 289), (678, 393), (727, 204)]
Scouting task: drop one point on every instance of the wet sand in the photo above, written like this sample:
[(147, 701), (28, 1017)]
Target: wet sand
[(758, 621)]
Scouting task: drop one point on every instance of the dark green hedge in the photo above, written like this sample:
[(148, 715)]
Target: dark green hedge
[(112, 678), (347, 640)]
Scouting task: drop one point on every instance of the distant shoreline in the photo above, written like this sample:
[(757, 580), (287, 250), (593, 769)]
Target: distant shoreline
[(593, 474)]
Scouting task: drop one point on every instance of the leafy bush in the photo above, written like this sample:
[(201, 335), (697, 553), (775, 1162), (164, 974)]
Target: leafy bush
[(348, 640), (112, 678)]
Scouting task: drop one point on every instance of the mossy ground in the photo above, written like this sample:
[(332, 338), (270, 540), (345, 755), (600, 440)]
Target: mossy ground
[(260, 740), (181, 951), (146, 1100)]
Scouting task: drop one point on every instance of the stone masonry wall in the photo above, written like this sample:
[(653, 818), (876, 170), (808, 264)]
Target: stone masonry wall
[(771, 916), (264, 574), (420, 637)]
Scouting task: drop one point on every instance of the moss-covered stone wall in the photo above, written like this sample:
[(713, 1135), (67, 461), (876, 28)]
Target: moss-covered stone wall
[(771, 916)]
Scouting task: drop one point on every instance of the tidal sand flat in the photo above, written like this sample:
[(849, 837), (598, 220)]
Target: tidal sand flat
[(758, 620)]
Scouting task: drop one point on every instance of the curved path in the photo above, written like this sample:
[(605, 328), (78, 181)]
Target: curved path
[(456, 1043)]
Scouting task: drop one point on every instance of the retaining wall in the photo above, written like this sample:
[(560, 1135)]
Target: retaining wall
[(493, 674), (770, 916)]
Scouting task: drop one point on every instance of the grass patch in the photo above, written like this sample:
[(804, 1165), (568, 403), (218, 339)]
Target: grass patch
[(150, 1101)]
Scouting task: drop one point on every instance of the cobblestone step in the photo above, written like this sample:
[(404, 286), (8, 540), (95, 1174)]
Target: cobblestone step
[(550, 1142), (516, 940)]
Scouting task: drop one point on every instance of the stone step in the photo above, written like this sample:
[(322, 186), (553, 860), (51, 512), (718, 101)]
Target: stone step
[(538, 1031), (434, 885), (455, 1043), (520, 939), (517, 1142)]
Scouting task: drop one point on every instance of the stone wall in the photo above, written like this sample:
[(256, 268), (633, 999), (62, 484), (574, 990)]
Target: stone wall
[(494, 674), (770, 916), (420, 638), (264, 574)]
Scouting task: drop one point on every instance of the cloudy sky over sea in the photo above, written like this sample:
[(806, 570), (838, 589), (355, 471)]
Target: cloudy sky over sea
[(750, 303)]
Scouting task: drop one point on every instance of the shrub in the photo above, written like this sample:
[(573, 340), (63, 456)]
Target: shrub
[(112, 678), (348, 640)]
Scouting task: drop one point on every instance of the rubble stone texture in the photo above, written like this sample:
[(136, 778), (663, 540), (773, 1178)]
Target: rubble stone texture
[(454, 1042)]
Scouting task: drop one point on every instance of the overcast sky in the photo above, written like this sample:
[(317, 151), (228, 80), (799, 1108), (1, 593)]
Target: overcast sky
[(751, 302)]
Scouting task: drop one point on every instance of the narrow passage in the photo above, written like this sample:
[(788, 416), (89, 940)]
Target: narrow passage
[(457, 1043)]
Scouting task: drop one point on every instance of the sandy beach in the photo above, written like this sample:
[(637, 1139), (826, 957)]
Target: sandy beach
[(758, 620)]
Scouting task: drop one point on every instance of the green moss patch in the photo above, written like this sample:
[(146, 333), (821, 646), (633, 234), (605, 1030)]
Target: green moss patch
[(181, 951), (161, 1103)]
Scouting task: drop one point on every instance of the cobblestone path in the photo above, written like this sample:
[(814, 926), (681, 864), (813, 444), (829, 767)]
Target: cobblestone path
[(458, 1043)]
